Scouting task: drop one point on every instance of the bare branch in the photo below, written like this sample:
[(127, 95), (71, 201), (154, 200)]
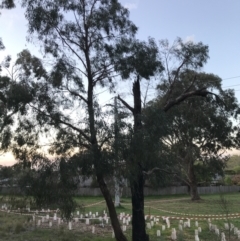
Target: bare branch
[(158, 169), (65, 123), (78, 95), (200, 92), (126, 104)]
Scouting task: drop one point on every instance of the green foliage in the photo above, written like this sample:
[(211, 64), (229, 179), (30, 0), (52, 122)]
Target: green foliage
[(233, 162), (236, 180), (8, 4), (228, 180), (53, 184)]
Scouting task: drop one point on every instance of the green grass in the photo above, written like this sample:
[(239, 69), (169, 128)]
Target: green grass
[(19, 227)]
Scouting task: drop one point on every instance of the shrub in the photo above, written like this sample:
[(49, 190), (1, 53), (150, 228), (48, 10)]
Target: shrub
[(236, 179)]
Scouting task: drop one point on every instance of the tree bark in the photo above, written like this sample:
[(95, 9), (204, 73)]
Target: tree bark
[(111, 208), (137, 182), (138, 217), (194, 192), (193, 183), (97, 156)]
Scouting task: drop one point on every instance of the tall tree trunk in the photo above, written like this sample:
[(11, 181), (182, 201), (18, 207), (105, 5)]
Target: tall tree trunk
[(97, 157), (194, 192), (137, 183), (193, 183), (138, 217), (111, 208)]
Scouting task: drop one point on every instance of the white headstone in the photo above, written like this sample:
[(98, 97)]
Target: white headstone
[(226, 226), (189, 223), (78, 213), (163, 227), (93, 229), (196, 223), (70, 225), (55, 217), (50, 224), (174, 234), (158, 233), (223, 238), (87, 221), (168, 222), (196, 238), (149, 225)]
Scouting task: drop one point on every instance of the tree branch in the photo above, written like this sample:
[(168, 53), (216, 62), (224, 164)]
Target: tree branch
[(126, 104), (158, 169), (200, 92), (78, 95), (65, 123)]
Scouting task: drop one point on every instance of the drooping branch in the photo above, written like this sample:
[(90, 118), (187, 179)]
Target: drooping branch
[(77, 95), (200, 92), (158, 169), (65, 123), (126, 104)]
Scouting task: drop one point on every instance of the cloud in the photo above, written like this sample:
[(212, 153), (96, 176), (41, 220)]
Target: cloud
[(131, 6)]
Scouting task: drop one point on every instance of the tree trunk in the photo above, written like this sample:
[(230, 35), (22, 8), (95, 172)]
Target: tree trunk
[(193, 183), (112, 211), (97, 162), (194, 192), (137, 182), (138, 217)]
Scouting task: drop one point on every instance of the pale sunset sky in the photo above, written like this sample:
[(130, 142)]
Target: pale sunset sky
[(213, 22)]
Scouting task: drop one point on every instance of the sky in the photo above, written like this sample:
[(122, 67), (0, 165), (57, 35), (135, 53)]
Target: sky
[(214, 22)]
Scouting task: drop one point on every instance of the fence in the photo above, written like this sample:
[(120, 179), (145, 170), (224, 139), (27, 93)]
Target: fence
[(163, 191), (88, 191)]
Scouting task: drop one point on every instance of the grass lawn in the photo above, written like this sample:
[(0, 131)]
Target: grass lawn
[(17, 227)]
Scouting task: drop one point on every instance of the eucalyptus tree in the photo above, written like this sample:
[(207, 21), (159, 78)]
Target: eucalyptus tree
[(187, 56), (200, 129), (80, 37)]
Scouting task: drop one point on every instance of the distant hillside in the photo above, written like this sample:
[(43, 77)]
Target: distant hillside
[(233, 163)]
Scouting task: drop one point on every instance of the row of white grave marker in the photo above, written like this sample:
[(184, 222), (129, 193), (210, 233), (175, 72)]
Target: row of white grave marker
[(127, 218)]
